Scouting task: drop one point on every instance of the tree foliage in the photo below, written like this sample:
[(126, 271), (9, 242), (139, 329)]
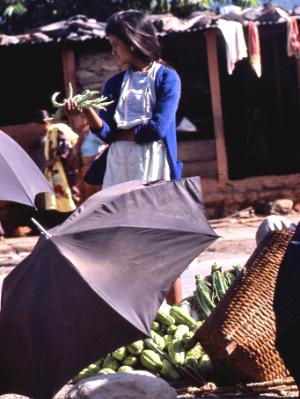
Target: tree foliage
[(19, 16)]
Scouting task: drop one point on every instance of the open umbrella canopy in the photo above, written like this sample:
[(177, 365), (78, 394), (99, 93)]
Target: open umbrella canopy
[(20, 178), (97, 282)]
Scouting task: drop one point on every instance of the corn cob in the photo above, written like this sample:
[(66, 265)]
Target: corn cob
[(130, 360), (157, 340), (111, 363), (169, 371), (176, 352), (229, 277), (237, 270), (181, 330), (120, 353), (155, 326), (136, 348), (181, 316), (125, 369), (203, 296), (219, 288), (106, 370), (164, 318), (151, 360)]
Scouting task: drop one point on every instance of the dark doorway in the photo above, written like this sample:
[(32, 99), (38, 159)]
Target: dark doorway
[(260, 114), (29, 76), (186, 52)]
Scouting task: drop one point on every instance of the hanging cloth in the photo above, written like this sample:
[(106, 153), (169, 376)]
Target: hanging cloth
[(236, 48), (254, 47), (62, 200), (293, 39)]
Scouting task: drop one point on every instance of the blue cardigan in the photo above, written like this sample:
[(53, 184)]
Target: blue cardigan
[(162, 125)]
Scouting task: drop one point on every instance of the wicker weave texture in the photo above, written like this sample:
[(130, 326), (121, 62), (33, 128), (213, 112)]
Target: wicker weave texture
[(239, 335)]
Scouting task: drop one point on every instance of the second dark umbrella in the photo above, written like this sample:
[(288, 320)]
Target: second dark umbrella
[(20, 178)]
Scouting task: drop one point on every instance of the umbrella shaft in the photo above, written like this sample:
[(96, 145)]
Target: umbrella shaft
[(41, 228)]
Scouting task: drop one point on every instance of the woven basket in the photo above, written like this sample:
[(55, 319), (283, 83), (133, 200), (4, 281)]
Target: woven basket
[(239, 335)]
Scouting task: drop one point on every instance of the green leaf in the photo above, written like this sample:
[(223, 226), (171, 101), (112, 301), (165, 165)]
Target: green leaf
[(8, 12), (17, 8)]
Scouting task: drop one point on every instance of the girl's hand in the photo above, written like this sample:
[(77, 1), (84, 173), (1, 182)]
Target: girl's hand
[(72, 109)]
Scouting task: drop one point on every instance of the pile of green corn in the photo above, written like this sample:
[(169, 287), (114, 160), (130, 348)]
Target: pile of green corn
[(171, 331)]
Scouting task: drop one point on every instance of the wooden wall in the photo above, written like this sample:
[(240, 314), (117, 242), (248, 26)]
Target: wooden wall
[(26, 135), (199, 158)]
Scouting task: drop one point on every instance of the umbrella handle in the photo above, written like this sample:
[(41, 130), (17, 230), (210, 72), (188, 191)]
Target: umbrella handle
[(41, 229)]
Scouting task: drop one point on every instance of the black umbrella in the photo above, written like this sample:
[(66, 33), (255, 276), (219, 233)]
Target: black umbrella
[(97, 281), (20, 178)]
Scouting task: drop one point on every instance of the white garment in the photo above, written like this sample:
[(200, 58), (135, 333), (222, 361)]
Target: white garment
[(137, 99), (91, 145), (236, 48), (127, 161)]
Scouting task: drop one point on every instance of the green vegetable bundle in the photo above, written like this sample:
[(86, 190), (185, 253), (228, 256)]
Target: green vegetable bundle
[(211, 289), (171, 332), (87, 99)]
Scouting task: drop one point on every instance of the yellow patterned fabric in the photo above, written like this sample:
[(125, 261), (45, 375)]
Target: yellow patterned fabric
[(62, 200)]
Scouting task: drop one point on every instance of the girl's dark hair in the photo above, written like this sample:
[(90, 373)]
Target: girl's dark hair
[(137, 32)]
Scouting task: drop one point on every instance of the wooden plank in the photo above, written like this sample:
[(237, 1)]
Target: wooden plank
[(204, 169), (215, 92), (196, 150), (69, 68), (69, 71)]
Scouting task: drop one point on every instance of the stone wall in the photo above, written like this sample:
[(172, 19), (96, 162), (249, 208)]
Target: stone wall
[(224, 199), (93, 68)]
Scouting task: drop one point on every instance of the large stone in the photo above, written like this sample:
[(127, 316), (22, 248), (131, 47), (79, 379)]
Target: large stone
[(282, 207), (93, 68), (134, 385), (96, 62), (86, 77)]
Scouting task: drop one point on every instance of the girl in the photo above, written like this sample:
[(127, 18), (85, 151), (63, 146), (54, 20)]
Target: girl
[(140, 124)]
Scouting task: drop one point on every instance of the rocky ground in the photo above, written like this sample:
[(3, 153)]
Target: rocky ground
[(235, 245)]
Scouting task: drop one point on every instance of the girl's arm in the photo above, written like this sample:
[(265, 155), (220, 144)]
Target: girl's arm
[(167, 100), (107, 132), (91, 116), (102, 125)]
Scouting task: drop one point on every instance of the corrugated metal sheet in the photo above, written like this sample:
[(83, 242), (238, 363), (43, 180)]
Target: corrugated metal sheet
[(80, 28)]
